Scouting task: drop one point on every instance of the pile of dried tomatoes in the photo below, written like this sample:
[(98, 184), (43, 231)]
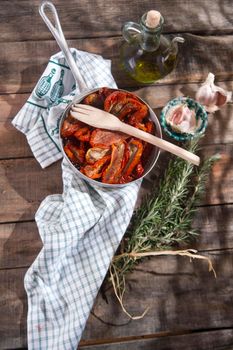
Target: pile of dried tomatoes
[(109, 156)]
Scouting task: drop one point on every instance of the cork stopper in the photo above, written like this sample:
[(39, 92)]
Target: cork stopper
[(153, 19)]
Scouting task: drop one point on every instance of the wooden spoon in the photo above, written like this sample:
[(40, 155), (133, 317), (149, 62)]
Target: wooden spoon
[(104, 120)]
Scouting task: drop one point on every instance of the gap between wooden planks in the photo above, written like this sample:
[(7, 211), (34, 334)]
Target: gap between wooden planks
[(200, 340)]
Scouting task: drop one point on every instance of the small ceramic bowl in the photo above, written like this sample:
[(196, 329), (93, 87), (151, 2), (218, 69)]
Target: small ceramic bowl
[(192, 104)]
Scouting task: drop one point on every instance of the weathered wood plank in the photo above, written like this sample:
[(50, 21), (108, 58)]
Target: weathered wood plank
[(215, 225), (209, 340), (220, 129), (221, 179), (80, 21), (20, 242), (182, 296), (13, 143), (198, 56), (13, 304), (23, 184)]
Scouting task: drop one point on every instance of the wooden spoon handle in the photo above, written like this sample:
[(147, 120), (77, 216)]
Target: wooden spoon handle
[(156, 141)]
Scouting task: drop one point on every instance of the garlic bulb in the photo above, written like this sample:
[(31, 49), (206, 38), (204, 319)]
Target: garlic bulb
[(182, 119), (211, 96)]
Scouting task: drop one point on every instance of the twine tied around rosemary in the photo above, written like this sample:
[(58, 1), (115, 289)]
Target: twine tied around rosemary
[(119, 292), (163, 221)]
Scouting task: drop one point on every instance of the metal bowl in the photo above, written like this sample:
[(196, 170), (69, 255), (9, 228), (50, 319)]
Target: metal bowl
[(151, 160)]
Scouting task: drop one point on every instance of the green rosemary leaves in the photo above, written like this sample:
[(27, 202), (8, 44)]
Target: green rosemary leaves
[(164, 219)]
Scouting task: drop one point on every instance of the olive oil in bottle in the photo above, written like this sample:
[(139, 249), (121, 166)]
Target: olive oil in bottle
[(146, 55)]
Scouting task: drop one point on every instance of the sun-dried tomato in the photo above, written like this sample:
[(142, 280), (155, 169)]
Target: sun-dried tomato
[(97, 98), (123, 104), (69, 154), (91, 99), (105, 92), (140, 126), (116, 100), (112, 173), (82, 145), (125, 179), (74, 153), (150, 126), (126, 156), (68, 128), (139, 170), (96, 153), (135, 150), (105, 138), (111, 157), (83, 134), (94, 171)]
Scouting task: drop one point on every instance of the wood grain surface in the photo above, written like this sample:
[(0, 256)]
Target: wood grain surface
[(198, 340), (146, 286), (23, 185), (98, 18), (20, 242), (189, 308), (198, 56), (19, 202)]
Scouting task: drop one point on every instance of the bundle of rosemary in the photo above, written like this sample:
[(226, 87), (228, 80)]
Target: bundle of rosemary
[(164, 220)]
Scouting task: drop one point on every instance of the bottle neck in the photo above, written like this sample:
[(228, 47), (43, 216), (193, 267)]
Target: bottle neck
[(50, 77), (51, 74), (150, 37)]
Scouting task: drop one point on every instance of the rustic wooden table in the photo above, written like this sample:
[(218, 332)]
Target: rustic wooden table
[(189, 308)]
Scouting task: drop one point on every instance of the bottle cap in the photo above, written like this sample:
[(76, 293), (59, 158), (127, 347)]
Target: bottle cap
[(153, 18)]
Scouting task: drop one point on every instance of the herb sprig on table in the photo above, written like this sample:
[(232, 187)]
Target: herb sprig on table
[(164, 219)]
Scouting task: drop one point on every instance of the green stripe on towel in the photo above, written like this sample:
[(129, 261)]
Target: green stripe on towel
[(59, 64), (34, 104), (58, 148)]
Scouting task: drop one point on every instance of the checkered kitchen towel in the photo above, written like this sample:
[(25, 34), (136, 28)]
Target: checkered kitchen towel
[(81, 228)]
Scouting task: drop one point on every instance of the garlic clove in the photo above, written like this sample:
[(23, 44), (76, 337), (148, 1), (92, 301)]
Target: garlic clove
[(184, 126), (182, 119), (222, 99), (176, 116), (211, 96)]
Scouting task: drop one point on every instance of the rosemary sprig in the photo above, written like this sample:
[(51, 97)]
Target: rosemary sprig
[(164, 219)]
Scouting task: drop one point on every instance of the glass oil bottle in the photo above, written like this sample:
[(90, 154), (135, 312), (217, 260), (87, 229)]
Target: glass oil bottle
[(146, 55)]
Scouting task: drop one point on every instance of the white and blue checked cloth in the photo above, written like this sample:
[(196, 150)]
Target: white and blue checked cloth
[(81, 228)]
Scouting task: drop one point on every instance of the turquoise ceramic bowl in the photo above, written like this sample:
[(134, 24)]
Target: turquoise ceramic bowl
[(200, 114)]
